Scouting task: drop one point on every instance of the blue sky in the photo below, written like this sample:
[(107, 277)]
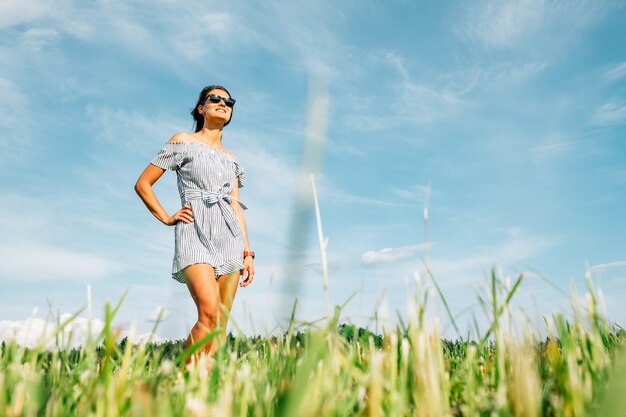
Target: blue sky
[(506, 118)]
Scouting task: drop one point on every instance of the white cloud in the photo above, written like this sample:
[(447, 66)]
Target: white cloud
[(511, 23), (501, 23), (133, 130), (170, 34), (270, 189), (38, 37), (616, 174), (161, 311), (560, 145), (396, 61), (551, 149), (499, 75), (305, 36), (426, 94), (611, 112), (345, 148), (191, 38), (615, 73), (15, 12), (31, 331), (175, 34), (12, 104), (470, 267), (340, 196), (30, 262), (426, 104), (416, 103), (417, 193), (392, 254), (607, 266)]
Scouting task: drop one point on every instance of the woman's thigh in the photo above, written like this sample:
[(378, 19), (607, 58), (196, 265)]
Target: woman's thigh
[(202, 286), (228, 288)]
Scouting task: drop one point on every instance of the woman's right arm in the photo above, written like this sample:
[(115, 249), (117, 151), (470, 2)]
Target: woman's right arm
[(143, 187)]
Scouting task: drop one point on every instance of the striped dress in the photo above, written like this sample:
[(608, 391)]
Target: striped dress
[(206, 177)]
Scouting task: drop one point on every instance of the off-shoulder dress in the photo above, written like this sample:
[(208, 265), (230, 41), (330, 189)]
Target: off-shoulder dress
[(206, 177)]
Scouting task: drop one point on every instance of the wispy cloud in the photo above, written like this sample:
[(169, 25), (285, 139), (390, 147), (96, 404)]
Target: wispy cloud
[(511, 23), (341, 196), (425, 104), (517, 247), (15, 12), (556, 146), (417, 193), (503, 74), (13, 108), (611, 112), (615, 73), (36, 263), (425, 94), (549, 150), (607, 266), (37, 38), (307, 39), (345, 148), (132, 130), (395, 61), (503, 23), (11, 97), (616, 174), (183, 37), (392, 254), (170, 34), (416, 103), (271, 187), (563, 145)]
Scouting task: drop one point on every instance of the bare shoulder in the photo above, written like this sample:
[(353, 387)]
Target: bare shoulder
[(233, 154), (181, 137)]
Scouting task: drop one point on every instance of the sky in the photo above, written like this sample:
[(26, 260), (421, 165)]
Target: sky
[(466, 137)]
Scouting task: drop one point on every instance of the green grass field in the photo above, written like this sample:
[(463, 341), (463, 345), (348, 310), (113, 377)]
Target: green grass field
[(336, 370)]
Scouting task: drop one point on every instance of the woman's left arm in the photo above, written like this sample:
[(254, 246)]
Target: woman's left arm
[(248, 261)]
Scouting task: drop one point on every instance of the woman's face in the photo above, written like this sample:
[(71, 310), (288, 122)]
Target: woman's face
[(216, 111)]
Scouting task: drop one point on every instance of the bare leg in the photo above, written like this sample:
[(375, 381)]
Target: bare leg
[(204, 290), (227, 290)]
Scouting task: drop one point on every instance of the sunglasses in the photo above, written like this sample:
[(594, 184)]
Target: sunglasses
[(214, 98)]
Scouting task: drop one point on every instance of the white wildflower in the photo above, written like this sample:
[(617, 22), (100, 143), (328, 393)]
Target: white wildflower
[(167, 366), (196, 406)]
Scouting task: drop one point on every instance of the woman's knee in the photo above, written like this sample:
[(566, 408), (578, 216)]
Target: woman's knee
[(208, 312)]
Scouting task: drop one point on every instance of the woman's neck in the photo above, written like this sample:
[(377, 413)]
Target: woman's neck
[(211, 136)]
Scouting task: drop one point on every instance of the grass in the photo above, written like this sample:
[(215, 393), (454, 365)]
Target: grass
[(335, 369)]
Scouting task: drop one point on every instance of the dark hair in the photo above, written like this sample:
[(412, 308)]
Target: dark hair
[(197, 117)]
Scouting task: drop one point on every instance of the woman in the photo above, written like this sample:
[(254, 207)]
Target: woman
[(212, 250)]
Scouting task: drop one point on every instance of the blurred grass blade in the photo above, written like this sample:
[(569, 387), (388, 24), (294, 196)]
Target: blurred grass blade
[(445, 303), (499, 310)]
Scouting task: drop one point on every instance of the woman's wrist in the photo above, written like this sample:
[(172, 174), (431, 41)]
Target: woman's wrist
[(166, 219), (247, 253)]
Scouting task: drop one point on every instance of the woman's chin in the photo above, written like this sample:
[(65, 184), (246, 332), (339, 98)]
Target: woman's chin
[(218, 120)]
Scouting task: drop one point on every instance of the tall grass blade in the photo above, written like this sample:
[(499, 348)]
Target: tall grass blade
[(445, 304)]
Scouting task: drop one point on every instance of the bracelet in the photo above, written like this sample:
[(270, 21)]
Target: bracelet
[(248, 253)]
